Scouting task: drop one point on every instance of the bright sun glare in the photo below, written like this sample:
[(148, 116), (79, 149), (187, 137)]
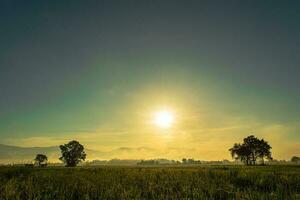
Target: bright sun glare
[(163, 119)]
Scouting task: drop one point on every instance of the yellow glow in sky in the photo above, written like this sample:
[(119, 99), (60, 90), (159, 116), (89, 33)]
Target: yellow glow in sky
[(163, 119)]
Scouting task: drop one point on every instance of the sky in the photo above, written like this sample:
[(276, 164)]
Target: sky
[(98, 71)]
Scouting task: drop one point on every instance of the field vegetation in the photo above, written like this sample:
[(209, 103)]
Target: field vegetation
[(197, 182)]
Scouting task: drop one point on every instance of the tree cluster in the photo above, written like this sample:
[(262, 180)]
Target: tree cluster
[(251, 150), (190, 161)]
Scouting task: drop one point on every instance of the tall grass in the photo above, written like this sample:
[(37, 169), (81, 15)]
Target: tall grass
[(234, 182)]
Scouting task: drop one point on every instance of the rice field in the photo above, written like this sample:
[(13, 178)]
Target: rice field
[(113, 182)]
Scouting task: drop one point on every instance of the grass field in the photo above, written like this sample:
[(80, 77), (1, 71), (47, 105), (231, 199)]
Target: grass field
[(212, 182)]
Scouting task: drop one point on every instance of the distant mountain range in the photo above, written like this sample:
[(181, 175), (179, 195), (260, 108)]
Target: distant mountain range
[(16, 154), (24, 154)]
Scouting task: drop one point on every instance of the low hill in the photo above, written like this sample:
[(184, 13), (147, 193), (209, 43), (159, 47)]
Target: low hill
[(10, 154)]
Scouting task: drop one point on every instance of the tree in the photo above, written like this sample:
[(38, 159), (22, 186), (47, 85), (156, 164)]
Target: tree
[(72, 153), (295, 159), (241, 152), (264, 151), (251, 150), (41, 160)]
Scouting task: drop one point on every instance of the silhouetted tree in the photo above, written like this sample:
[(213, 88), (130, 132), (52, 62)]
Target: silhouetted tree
[(241, 152), (251, 149), (41, 160), (295, 159), (264, 151), (72, 153)]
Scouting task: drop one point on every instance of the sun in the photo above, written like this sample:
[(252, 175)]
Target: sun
[(163, 119)]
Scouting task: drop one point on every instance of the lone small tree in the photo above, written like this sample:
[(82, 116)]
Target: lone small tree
[(295, 159), (72, 153), (41, 160), (251, 149)]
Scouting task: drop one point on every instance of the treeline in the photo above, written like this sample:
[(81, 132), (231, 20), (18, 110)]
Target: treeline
[(189, 161), (251, 151)]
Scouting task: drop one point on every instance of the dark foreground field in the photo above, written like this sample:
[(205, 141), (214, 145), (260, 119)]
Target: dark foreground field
[(220, 182)]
